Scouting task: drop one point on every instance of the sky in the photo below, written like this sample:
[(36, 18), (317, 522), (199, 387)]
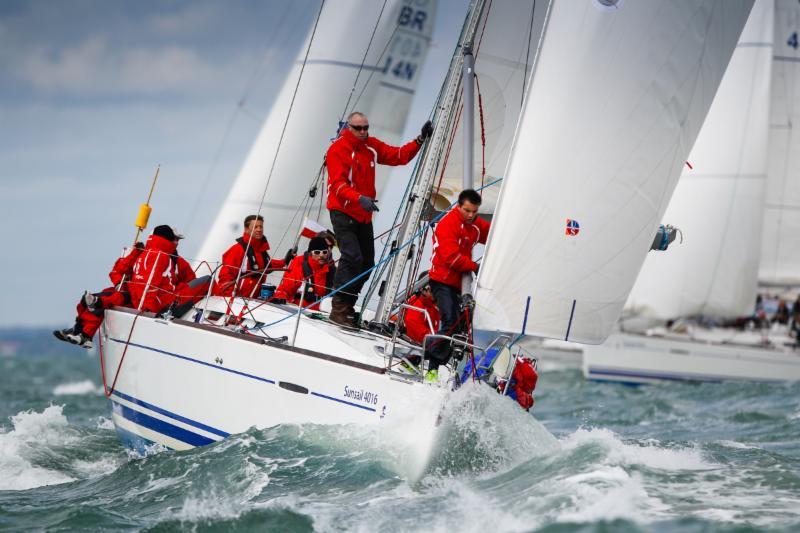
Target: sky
[(95, 94)]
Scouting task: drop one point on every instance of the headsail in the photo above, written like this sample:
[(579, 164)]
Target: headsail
[(780, 252), (618, 95), (384, 89), (719, 203)]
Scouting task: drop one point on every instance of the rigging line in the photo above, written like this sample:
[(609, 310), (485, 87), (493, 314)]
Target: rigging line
[(387, 258), (378, 62), (527, 56), (280, 140), (248, 89), (363, 60)]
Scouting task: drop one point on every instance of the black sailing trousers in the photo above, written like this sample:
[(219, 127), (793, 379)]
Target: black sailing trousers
[(448, 300), (357, 245)]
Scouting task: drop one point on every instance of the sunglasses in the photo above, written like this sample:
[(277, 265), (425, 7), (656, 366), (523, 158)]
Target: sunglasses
[(319, 252), (360, 128)]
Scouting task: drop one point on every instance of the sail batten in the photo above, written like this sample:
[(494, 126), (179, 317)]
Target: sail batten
[(612, 110)]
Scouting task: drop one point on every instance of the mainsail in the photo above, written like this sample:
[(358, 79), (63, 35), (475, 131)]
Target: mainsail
[(617, 97), (719, 203), (384, 87), (780, 253)]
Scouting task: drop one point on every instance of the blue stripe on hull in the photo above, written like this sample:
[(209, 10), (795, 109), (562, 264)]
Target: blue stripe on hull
[(135, 442), (220, 369), (174, 416), (160, 426), (620, 374)]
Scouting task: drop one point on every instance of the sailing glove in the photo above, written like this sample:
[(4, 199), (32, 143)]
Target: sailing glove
[(427, 131), (368, 204), (290, 254)]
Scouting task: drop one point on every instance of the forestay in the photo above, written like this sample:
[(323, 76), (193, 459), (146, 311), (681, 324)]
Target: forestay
[(618, 94), (719, 203), (384, 89), (780, 252), (504, 48)]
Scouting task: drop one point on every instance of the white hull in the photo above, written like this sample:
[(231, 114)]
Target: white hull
[(183, 384), (635, 358)]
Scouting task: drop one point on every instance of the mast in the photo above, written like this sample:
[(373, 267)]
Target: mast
[(444, 120), (468, 117)]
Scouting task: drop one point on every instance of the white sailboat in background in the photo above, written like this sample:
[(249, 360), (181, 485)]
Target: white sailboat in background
[(780, 252), (338, 77), (616, 96), (719, 205)]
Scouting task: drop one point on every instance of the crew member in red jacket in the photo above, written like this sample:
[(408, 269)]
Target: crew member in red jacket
[(247, 260), (92, 306), (312, 267), (162, 278), (453, 239), (417, 325), (351, 161)]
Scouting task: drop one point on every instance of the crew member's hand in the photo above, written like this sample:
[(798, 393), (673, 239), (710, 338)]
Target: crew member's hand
[(290, 254), (139, 245), (368, 204), (427, 131)]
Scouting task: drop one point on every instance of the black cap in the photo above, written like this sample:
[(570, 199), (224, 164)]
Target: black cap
[(317, 243), (167, 233)]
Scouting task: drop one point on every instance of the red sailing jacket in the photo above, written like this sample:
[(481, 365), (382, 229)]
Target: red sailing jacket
[(123, 267), (416, 323), (167, 273), (453, 240), (351, 170), (234, 260), (293, 280)]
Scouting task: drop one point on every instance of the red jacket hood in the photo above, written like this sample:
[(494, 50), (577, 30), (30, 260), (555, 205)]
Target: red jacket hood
[(261, 245), (155, 242), (351, 138)]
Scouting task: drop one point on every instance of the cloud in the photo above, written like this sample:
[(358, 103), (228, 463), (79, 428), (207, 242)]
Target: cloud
[(93, 67)]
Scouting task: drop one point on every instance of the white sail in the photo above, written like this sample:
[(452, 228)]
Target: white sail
[(383, 91), (504, 48), (719, 203), (780, 252), (618, 94)]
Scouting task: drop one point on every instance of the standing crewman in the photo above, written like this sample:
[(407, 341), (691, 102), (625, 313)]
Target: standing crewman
[(351, 161), (453, 240), (247, 262)]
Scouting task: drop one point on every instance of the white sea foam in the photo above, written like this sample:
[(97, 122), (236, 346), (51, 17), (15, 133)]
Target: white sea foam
[(77, 388), (737, 445), (104, 423), (650, 454), (32, 431)]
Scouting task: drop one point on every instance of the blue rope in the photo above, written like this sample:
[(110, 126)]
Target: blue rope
[(392, 254)]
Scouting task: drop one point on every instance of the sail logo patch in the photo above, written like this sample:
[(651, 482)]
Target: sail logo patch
[(573, 228)]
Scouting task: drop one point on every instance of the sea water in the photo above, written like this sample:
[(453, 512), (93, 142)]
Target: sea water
[(590, 457)]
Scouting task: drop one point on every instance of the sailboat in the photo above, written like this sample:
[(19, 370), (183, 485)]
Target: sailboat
[(719, 205), (611, 104)]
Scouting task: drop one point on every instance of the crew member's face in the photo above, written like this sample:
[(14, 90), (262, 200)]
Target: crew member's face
[(468, 211), (359, 125), (320, 256), (258, 232)]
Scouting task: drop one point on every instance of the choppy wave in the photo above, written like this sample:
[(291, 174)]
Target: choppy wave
[(592, 457), (77, 388)]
